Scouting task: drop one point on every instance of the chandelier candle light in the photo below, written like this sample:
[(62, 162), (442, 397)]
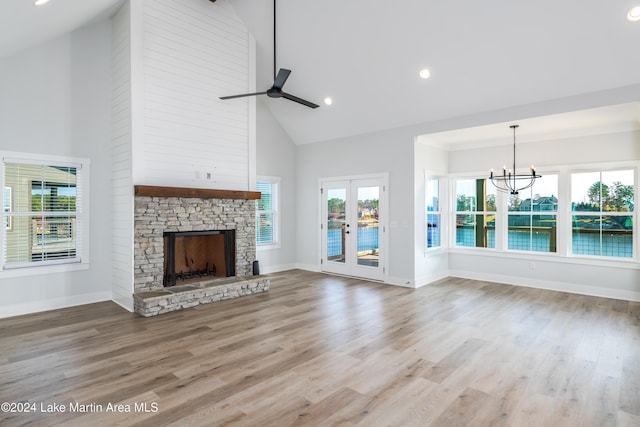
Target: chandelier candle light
[(510, 181)]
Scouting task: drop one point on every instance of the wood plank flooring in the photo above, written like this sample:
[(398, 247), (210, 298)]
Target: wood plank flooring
[(320, 350)]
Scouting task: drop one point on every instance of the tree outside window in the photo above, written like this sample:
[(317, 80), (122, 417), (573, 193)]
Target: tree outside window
[(602, 220), (475, 213)]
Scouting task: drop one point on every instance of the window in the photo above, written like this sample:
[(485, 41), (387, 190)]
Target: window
[(532, 217), (267, 212), (433, 218), (42, 213), (475, 213), (602, 205)]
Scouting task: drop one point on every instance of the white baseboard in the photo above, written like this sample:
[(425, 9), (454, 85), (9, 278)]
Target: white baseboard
[(395, 281), (277, 268), (400, 281), (53, 304), (126, 303), (308, 267), (572, 288), (427, 280)]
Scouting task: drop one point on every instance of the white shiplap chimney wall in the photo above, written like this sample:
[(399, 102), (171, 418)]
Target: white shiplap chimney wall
[(172, 60), (192, 52)]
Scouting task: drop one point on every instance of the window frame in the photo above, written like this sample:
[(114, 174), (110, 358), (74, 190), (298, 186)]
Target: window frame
[(275, 183), (82, 240), (441, 211), (601, 169), (531, 213), (563, 252), (455, 212)]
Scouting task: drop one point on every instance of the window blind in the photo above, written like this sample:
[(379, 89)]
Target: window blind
[(43, 220), (265, 217)]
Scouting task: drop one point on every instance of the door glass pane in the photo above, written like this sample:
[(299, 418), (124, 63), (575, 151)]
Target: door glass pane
[(368, 237), (336, 218)]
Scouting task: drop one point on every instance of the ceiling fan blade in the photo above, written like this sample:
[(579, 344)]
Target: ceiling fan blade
[(243, 95), (281, 78), (299, 100)]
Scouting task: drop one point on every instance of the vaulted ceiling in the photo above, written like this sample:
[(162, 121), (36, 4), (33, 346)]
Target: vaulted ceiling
[(483, 56), (366, 55), (22, 24)]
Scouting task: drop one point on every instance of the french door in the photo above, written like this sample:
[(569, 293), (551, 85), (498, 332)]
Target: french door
[(353, 227)]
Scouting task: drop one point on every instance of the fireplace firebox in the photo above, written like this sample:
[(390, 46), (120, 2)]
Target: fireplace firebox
[(190, 256)]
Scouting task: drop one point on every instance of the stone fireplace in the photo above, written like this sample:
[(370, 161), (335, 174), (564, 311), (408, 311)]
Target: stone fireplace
[(201, 222)]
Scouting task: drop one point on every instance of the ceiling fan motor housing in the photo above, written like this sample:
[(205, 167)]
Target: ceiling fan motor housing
[(274, 92)]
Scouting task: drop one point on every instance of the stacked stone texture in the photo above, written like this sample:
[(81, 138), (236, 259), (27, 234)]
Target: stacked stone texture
[(155, 215), (148, 306)]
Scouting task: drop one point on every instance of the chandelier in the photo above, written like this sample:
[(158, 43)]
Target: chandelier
[(510, 181)]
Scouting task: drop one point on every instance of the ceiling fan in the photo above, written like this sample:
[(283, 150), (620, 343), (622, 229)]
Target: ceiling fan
[(279, 79)]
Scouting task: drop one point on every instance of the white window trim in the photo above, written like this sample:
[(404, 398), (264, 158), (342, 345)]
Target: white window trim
[(275, 181), (82, 210), (453, 212), (563, 252), (443, 197), (504, 246), (605, 167)]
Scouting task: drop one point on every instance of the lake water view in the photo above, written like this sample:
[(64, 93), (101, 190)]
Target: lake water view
[(368, 239), (613, 245)]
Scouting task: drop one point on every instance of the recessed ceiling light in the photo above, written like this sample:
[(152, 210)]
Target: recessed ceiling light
[(634, 14), (41, 2), (328, 101), (425, 73)]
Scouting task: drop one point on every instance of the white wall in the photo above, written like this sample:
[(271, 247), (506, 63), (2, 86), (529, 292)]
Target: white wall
[(381, 152), (276, 156), (616, 279), (612, 147), (433, 264), (185, 55), (121, 159), (55, 101)]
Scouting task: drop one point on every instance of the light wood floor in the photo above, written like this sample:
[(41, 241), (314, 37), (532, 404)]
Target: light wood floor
[(324, 350)]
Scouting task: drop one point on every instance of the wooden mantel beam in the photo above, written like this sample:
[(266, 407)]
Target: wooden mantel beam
[(200, 193)]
